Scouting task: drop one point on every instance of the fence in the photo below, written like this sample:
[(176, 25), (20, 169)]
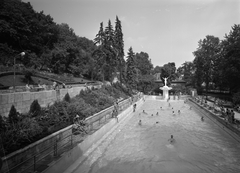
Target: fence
[(60, 143)]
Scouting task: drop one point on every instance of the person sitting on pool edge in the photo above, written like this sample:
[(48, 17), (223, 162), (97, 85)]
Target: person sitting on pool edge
[(171, 140)]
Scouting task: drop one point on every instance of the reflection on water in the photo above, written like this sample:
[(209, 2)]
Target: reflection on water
[(198, 147)]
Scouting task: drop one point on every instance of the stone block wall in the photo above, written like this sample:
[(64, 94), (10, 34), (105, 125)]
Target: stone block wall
[(23, 100)]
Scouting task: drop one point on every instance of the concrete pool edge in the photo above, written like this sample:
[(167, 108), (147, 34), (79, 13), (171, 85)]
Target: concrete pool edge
[(70, 160), (235, 133)]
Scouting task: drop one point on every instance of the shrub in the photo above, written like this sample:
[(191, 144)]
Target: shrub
[(1, 124), (28, 76), (20, 135), (58, 113), (13, 115), (236, 98), (35, 109), (29, 128), (81, 108), (67, 98)]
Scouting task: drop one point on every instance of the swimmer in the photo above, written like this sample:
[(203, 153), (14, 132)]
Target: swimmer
[(160, 107), (157, 113), (179, 112), (202, 118), (157, 122), (173, 113), (172, 107), (152, 114), (171, 140), (140, 122)]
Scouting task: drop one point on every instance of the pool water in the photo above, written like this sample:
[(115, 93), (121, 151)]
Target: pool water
[(199, 146)]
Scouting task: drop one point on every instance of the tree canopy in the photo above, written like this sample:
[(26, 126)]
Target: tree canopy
[(217, 62)]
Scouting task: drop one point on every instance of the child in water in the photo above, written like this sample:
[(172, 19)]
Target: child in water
[(140, 122), (171, 140)]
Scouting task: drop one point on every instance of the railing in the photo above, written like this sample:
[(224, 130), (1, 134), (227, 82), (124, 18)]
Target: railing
[(38, 162)]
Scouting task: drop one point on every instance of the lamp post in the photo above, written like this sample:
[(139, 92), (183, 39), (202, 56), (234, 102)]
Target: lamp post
[(14, 63)]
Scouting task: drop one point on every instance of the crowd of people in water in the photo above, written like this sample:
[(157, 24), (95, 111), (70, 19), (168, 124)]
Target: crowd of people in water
[(171, 140)]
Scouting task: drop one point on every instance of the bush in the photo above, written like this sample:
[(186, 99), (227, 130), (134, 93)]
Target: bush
[(1, 124), (67, 98), (28, 76), (20, 135), (79, 107), (13, 115), (58, 112), (29, 128), (236, 98), (35, 109)]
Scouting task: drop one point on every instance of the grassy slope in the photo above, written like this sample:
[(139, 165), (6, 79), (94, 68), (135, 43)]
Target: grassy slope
[(8, 80)]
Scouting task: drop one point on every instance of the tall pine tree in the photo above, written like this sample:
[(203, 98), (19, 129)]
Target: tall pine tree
[(100, 36), (119, 45), (131, 69)]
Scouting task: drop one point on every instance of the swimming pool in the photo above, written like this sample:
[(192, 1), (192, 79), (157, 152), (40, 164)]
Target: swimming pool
[(200, 146)]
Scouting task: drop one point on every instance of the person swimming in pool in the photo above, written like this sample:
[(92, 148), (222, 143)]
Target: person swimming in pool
[(171, 140), (202, 118), (140, 122)]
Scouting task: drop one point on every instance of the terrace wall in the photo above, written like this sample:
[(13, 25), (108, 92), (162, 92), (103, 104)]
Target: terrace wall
[(23, 100)]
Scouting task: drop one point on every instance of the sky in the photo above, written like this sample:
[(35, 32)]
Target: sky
[(168, 30)]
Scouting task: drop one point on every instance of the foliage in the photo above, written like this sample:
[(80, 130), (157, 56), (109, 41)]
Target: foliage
[(13, 115), (35, 109), (143, 63), (236, 98), (119, 47), (28, 76), (229, 62), (2, 125), (205, 60), (110, 51), (131, 69), (58, 112), (146, 83), (186, 73), (67, 98), (47, 45), (168, 71), (18, 135), (217, 62)]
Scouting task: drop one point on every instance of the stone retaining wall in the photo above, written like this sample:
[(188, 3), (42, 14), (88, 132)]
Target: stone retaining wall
[(23, 100)]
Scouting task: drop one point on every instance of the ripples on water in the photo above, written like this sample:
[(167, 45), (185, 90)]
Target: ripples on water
[(200, 146)]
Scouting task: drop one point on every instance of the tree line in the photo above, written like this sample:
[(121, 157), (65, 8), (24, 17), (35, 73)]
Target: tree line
[(216, 63), (57, 49)]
